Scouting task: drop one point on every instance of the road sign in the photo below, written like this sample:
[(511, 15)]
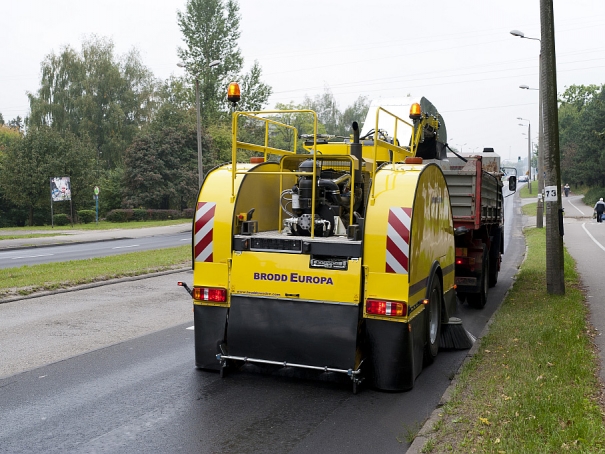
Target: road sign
[(96, 190), (550, 194)]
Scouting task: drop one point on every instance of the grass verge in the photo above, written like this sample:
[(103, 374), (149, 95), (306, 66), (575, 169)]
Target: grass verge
[(530, 209), (26, 280), (532, 386), (524, 191), (27, 235)]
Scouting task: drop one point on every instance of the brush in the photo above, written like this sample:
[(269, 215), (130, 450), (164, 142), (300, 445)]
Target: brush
[(455, 337)]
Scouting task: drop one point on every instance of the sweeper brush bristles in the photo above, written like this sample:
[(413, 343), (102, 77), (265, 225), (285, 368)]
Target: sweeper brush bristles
[(455, 337)]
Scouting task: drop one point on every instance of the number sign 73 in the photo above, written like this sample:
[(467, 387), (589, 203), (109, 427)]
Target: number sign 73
[(550, 194)]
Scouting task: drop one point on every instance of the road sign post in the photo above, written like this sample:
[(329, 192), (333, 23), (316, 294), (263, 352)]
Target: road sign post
[(97, 204)]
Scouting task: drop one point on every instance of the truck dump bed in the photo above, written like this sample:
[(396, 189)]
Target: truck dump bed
[(475, 191)]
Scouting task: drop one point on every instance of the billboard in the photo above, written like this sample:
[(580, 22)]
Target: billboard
[(60, 189)]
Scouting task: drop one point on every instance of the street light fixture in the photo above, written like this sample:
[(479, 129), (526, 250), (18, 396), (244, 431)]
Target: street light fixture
[(528, 150), (200, 164), (527, 87)]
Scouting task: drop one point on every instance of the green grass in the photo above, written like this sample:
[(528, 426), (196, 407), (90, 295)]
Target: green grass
[(25, 280), (531, 387), (524, 191), (27, 235), (102, 225), (530, 209)]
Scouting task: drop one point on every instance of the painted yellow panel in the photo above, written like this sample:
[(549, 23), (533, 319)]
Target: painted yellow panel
[(281, 275), (409, 227), (208, 274)]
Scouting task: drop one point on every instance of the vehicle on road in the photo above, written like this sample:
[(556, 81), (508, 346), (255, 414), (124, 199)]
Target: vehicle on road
[(344, 258)]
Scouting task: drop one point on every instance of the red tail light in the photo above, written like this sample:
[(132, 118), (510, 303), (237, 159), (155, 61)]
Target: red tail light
[(390, 308), (216, 295)]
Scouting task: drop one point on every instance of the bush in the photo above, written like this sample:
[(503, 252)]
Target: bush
[(61, 219), (163, 215), (139, 214), (593, 195), (87, 216), (119, 215)]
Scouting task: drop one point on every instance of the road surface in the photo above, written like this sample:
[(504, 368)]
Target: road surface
[(93, 371)]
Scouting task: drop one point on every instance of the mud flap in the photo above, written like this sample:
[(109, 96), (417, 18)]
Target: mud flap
[(302, 332), (209, 322), (395, 352)]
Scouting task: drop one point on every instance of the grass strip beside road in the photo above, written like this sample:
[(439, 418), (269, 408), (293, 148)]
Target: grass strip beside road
[(27, 235), (26, 280), (532, 385)]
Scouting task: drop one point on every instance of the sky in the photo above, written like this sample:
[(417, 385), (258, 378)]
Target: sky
[(458, 54)]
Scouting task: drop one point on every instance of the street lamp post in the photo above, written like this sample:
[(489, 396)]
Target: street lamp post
[(200, 164), (540, 209), (528, 150), (541, 150)]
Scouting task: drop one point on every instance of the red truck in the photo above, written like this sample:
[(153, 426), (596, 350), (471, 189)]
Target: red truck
[(475, 186)]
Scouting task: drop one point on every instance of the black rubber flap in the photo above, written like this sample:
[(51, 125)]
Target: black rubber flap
[(302, 332)]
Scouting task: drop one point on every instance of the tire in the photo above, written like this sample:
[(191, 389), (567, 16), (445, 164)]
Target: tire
[(478, 300), (494, 258), (433, 322)]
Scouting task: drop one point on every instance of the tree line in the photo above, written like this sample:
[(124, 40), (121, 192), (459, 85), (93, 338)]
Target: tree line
[(105, 120), (582, 135)]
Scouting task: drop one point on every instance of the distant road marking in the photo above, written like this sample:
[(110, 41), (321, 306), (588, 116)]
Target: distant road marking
[(191, 328), (124, 247), (31, 256), (581, 212), (592, 237), (186, 239)]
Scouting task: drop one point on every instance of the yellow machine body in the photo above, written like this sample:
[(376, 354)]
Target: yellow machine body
[(275, 286)]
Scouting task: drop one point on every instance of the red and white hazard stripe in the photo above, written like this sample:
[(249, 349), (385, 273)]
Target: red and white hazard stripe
[(204, 227), (398, 240)]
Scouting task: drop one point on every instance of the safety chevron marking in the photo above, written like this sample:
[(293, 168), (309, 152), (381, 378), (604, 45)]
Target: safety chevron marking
[(204, 227), (398, 240)]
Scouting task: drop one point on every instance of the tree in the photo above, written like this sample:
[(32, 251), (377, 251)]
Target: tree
[(28, 165), (93, 93), (581, 118), (211, 31), (337, 122), (160, 169), (8, 136)]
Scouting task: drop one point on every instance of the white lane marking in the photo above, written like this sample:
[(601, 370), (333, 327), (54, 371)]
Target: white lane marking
[(186, 239), (125, 247), (592, 237), (191, 328), (31, 256), (581, 212)]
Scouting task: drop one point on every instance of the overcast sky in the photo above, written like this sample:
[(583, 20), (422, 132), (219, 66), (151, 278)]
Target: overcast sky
[(458, 54)]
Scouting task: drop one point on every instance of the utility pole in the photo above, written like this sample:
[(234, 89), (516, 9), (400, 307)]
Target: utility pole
[(555, 283)]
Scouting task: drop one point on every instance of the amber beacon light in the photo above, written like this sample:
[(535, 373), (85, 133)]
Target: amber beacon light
[(415, 111), (233, 92)]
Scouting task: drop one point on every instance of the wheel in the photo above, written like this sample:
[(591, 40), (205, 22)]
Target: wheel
[(494, 258), (433, 322), (478, 300)]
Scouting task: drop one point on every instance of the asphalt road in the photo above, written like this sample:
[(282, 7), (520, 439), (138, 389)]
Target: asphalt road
[(79, 251), (93, 371)]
